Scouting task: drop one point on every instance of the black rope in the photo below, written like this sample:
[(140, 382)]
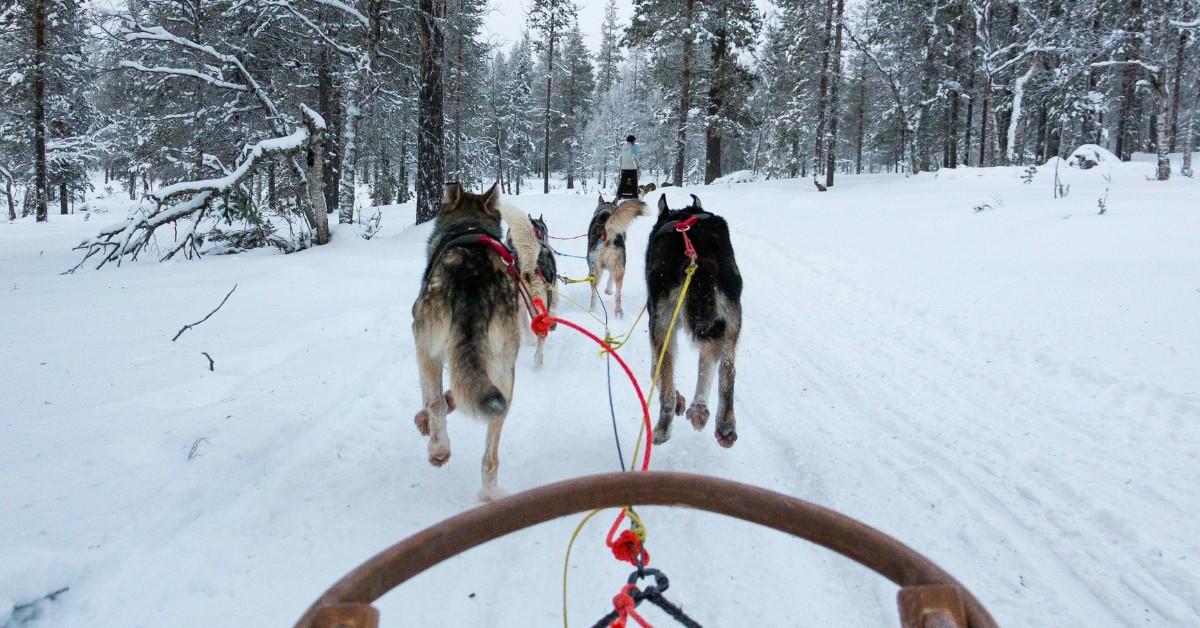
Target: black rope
[(654, 594)]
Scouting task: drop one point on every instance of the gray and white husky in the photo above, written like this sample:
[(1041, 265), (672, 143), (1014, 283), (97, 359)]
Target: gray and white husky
[(467, 315)]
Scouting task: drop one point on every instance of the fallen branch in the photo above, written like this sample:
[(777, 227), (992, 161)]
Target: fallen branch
[(210, 360), (219, 306), (195, 446), (19, 611)]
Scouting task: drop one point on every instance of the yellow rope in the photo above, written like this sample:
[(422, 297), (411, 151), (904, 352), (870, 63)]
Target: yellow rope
[(638, 527), (662, 352), (619, 341), (567, 560)]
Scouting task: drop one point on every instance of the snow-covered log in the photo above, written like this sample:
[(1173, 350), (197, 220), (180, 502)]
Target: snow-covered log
[(189, 202)]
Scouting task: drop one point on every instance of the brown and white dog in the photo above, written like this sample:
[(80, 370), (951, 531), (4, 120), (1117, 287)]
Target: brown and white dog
[(606, 245), (467, 314)]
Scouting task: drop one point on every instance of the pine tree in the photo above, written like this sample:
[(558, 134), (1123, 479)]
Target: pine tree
[(550, 18)]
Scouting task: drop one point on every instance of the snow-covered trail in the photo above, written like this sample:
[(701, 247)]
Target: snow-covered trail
[(993, 389)]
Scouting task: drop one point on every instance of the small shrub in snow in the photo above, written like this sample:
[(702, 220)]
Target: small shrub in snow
[(1030, 173), (1089, 156), (371, 226), (1102, 202)]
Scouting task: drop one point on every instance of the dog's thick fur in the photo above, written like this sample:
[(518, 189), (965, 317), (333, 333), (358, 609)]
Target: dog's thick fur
[(712, 314), (606, 245), (467, 314), (643, 190), (547, 266)]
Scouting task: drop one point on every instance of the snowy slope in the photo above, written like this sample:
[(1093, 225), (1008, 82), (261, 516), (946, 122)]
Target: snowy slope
[(1014, 393)]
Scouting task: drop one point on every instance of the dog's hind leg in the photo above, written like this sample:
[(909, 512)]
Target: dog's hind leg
[(431, 420), (501, 371), (710, 352), (670, 402), (726, 420), (619, 276), (595, 271)]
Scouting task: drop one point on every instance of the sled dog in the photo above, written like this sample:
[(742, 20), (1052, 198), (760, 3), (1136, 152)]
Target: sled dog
[(547, 272), (712, 314), (606, 245), (467, 316)]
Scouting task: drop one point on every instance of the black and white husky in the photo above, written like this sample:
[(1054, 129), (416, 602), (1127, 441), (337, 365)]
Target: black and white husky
[(712, 314), (467, 314)]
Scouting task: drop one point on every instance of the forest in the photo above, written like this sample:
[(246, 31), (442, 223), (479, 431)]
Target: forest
[(254, 123)]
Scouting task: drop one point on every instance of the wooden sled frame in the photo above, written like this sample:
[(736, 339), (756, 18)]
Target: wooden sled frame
[(929, 597)]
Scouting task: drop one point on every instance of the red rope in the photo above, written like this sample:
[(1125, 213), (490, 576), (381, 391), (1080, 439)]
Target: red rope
[(543, 321), (682, 227), (627, 608)]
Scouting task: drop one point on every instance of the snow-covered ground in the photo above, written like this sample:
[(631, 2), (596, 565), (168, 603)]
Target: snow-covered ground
[(1014, 392)]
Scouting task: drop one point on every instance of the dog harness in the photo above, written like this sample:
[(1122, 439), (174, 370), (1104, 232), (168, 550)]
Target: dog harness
[(475, 237), (682, 226)]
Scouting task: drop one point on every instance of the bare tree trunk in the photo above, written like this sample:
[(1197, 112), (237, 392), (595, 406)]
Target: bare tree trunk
[(132, 184), (1180, 55), (712, 130), (8, 193), (984, 113), (684, 97), (328, 105), (40, 192), (549, 92), (862, 113), (1127, 126), (318, 214), (822, 90), (402, 176), (63, 197), (430, 123), (348, 161), (1189, 142), (835, 82)]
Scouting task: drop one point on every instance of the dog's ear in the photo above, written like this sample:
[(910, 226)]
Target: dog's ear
[(696, 202), (601, 201), (662, 205), (451, 194), (491, 200)]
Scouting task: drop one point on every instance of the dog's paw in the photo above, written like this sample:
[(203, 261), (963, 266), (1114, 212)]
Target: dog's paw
[(698, 415), (439, 456), (680, 403), (491, 492), (422, 421), (619, 313), (449, 396), (726, 435), (608, 290), (661, 435)]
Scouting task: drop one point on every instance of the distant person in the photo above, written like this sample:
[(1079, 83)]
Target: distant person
[(629, 166)]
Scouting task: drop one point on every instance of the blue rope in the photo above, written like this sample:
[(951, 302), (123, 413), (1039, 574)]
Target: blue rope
[(569, 255)]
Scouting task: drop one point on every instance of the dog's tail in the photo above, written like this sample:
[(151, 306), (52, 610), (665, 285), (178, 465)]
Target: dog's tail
[(621, 218), (473, 389), (701, 307), (527, 248)]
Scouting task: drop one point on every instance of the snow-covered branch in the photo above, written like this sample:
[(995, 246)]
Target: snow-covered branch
[(211, 80), (1150, 68), (130, 238)]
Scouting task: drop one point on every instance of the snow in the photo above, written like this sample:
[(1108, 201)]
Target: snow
[(741, 176), (1093, 153), (1014, 393)]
